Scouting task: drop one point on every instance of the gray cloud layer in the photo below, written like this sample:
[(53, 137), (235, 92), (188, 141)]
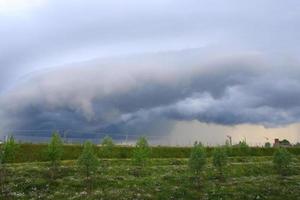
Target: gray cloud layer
[(59, 32), (240, 64), (152, 91)]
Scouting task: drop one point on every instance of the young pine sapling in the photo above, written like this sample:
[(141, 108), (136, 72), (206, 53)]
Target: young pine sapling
[(281, 160), (141, 152), (220, 160), (141, 155), (197, 160), (54, 152), (88, 163), (7, 155), (107, 146)]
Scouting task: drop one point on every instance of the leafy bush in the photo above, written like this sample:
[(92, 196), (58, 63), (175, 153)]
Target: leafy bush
[(197, 159), (220, 160), (281, 160)]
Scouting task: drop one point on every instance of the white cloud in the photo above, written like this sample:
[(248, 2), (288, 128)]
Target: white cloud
[(19, 7)]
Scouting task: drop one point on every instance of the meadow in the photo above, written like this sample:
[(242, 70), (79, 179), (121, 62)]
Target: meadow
[(246, 178), (37, 152), (249, 173)]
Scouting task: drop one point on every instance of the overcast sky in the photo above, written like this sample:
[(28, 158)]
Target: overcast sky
[(156, 67)]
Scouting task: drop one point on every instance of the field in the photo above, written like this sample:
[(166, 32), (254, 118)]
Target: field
[(246, 177), (37, 152)]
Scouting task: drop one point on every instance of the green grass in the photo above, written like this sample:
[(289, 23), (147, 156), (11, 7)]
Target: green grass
[(37, 152), (251, 177)]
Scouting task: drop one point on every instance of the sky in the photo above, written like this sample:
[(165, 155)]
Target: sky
[(181, 70)]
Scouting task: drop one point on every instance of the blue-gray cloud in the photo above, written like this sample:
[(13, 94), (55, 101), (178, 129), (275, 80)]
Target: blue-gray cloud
[(152, 91), (58, 32), (241, 66)]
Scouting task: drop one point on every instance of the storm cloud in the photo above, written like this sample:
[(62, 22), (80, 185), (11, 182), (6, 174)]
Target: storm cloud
[(140, 67), (152, 91)]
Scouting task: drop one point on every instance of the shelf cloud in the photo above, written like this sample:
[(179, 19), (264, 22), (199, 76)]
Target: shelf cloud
[(117, 95), (130, 66)]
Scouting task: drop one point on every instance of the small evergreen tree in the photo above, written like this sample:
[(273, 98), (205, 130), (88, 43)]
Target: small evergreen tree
[(228, 148), (243, 147), (9, 149), (2, 171), (54, 152), (197, 159), (107, 146), (1, 157), (88, 162), (141, 152), (220, 160), (7, 155), (281, 160)]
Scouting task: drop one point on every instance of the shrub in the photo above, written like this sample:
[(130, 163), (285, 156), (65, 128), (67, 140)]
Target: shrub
[(107, 146), (281, 160), (220, 160), (141, 152), (197, 159), (88, 162)]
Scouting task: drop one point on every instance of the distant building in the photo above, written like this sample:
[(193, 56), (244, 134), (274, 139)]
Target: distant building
[(267, 145), (276, 143), (297, 144), (281, 143)]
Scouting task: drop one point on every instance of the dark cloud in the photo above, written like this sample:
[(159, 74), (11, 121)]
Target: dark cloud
[(241, 65), (151, 92)]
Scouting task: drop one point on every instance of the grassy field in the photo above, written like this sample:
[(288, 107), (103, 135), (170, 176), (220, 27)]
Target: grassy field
[(37, 152), (247, 177)]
